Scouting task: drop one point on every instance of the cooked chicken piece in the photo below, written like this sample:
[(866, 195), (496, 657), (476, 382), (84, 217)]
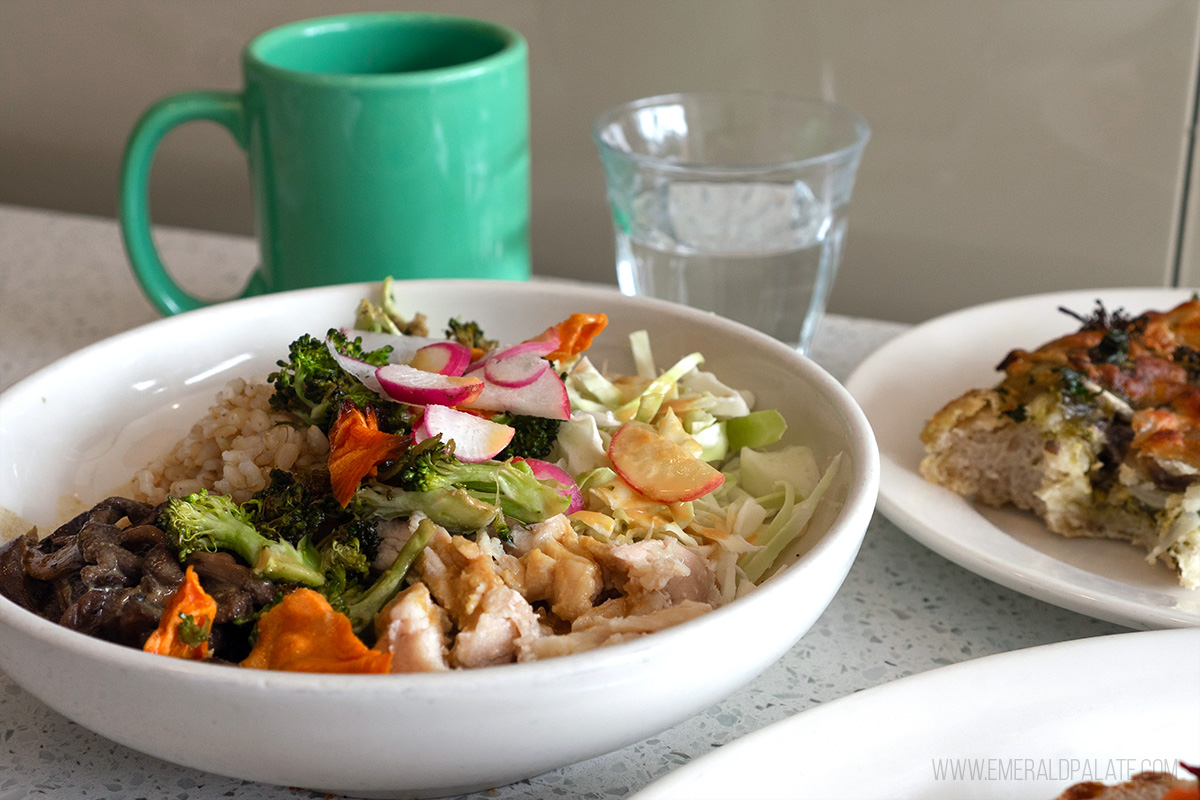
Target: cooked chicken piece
[(553, 565), (605, 631), (652, 575), (499, 632), (414, 630), (557, 567), (490, 615), (663, 566)]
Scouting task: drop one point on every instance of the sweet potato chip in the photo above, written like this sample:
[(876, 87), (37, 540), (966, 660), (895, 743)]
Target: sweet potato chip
[(304, 634)]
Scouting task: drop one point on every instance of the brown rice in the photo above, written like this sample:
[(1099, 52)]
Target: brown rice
[(233, 449)]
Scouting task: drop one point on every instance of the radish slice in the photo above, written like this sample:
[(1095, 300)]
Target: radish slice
[(515, 371), (475, 438), (445, 358), (545, 397), (549, 337), (539, 349), (360, 369), (406, 384), (658, 467), (545, 470)]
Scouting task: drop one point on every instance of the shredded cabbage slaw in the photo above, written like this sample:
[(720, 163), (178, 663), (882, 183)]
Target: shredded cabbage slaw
[(766, 500)]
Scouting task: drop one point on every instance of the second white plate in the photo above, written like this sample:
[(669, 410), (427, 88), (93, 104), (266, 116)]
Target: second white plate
[(1013, 726), (903, 383)]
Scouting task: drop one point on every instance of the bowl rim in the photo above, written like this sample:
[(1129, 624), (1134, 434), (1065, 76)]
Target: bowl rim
[(846, 529)]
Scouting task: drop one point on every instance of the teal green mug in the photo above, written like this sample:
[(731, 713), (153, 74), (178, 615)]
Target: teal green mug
[(378, 144)]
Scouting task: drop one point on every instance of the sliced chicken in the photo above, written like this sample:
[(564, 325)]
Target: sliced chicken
[(666, 565), (604, 631), (415, 631), (558, 568), (490, 615), (654, 574)]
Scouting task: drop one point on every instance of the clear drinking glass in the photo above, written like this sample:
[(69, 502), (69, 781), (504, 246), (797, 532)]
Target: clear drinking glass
[(733, 202)]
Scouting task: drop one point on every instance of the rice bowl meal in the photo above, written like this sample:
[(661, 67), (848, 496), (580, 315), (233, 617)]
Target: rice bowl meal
[(576, 494)]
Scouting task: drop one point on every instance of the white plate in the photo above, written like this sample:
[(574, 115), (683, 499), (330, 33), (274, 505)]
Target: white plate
[(1028, 724), (903, 383)]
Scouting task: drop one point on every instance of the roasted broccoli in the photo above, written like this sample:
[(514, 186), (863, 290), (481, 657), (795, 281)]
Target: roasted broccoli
[(300, 507), (469, 334), (453, 508), (312, 385), (204, 521), (295, 505), (346, 556), (460, 495), (533, 437)]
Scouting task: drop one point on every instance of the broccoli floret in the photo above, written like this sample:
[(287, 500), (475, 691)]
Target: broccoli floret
[(346, 556), (370, 317), (459, 495), (510, 485), (300, 507), (203, 521), (312, 385), (453, 508), (295, 505), (469, 334), (533, 437)]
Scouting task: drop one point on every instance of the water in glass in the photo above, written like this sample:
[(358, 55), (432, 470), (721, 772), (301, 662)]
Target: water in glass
[(763, 254)]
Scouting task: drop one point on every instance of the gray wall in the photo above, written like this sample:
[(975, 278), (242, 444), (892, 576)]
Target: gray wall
[(1017, 146)]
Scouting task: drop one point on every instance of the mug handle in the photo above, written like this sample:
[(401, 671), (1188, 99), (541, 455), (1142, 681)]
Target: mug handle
[(223, 108)]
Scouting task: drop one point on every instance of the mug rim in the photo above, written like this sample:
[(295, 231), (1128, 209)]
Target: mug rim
[(513, 50), (849, 152)]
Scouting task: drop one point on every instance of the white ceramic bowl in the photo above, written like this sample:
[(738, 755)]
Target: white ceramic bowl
[(84, 424)]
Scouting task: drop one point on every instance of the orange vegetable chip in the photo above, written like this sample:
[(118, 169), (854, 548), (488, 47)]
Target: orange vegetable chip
[(575, 334), (356, 447), (186, 622), (304, 634)]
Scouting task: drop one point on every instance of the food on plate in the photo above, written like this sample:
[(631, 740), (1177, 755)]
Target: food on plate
[(1142, 786), (1098, 432), (388, 501)]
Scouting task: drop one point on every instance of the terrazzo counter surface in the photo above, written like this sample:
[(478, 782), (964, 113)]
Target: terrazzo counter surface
[(64, 284)]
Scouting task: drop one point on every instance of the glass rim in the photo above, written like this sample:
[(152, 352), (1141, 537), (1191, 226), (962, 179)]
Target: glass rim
[(862, 132)]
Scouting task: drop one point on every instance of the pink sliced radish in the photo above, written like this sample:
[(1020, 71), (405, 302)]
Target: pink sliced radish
[(658, 467), (445, 358), (549, 337), (406, 384), (539, 349), (545, 470), (475, 438), (545, 397), (516, 371)]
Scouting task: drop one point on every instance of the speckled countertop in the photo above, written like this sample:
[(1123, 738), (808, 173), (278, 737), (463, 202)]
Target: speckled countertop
[(64, 283)]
